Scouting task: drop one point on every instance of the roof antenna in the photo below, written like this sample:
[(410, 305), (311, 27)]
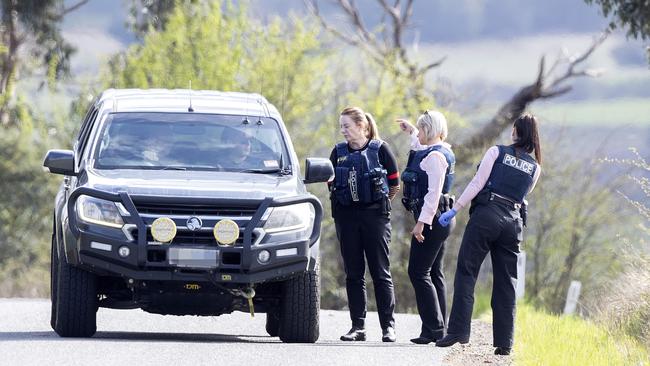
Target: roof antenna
[(259, 116), (190, 109), (259, 101), (246, 121)]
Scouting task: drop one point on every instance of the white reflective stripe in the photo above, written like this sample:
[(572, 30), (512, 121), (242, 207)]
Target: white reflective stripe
[(286, 252), (123, 211), (127, 230), (101, 246)]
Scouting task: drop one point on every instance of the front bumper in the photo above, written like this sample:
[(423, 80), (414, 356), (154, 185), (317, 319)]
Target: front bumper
[(96, 248)]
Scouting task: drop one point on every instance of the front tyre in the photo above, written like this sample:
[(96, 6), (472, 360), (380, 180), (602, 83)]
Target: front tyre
[(273, 323), (75, 311), (54, 263), (300, 307)]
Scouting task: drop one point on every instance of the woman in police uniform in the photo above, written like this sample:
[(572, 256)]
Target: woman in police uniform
[(427, 179), (366, 179), (504, 178)]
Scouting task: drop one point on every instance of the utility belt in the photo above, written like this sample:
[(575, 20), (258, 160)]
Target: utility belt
[(414, 205), (382, 206), (486, 196)]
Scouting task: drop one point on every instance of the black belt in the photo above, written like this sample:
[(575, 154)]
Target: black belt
[(505, 200)]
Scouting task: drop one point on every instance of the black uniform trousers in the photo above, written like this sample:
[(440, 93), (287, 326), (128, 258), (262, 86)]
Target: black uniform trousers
[(428, 279), (366, 233), (494, 227)]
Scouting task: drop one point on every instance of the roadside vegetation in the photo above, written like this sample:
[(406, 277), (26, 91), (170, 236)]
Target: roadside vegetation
[(546, 339)]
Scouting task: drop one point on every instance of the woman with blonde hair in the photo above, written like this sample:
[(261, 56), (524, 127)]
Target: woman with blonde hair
[(427, 179), (366, 179)]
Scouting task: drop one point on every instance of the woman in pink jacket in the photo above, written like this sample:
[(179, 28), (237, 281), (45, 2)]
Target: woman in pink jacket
[(427, 181), (505, 176)]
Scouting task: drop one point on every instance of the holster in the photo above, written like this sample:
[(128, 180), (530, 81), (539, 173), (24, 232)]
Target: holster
[(386, 205), (446, 202), (523, 212)]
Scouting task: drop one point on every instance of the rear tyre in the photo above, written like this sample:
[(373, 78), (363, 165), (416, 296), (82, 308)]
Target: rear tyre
[(75, 310), (300, 307)]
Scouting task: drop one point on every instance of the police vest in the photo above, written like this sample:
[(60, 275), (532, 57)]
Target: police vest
[(359, 176), (416, 180), (512, 174)]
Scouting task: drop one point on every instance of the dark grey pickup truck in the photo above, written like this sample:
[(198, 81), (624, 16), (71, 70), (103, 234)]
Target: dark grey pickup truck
[(186, 203)]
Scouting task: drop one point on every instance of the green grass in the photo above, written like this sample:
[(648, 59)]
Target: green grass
[(544, 339)]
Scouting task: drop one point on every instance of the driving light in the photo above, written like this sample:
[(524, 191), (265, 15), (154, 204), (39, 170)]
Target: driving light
[(297, 217), (263, 256), (98, 211), (124, 251), (226, 232), (163, 229)]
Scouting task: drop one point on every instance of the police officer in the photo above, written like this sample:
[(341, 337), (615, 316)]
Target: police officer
[(427, 179), (366, 178), (504, 178)]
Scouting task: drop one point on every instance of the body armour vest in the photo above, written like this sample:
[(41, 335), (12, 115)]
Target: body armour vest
[(359, 177), (512, 174), (416, 180)]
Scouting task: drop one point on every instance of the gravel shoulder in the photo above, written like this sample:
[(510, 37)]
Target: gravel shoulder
[(479, 350)]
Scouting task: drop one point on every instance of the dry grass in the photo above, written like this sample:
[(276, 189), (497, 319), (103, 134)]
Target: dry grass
[(625, 303)]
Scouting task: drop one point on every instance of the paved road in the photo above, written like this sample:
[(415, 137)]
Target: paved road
[(133, 337)]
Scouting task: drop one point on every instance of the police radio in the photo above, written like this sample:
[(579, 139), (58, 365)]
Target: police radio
[(352, 183)]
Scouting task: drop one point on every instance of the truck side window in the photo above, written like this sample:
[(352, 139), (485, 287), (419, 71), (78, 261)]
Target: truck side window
[(83, 134)]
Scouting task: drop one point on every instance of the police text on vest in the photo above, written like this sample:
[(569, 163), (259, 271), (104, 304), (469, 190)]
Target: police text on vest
[(522, 165)]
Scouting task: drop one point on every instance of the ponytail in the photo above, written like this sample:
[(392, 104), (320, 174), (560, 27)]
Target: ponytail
[(373, 133), (528, 135)]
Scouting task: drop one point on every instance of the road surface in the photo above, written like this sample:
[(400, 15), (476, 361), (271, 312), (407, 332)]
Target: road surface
[(137, 338)]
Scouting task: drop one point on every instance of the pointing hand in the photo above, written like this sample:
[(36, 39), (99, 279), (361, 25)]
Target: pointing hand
[(405, 125)]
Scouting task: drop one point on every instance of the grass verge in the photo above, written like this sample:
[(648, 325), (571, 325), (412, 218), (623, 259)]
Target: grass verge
[(545, 339)]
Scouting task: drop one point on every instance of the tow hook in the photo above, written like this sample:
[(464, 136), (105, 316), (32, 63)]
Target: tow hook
[(247, 293)]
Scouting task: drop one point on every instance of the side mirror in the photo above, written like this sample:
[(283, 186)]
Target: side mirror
[(60, 162), (318, 170)]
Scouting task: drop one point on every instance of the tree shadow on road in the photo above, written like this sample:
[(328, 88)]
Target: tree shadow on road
[(141, 336)]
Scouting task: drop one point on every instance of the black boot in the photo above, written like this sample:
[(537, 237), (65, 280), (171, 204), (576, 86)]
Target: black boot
[(503, 351), (451, 339), (388, 334), (355, 334), (422, 340)]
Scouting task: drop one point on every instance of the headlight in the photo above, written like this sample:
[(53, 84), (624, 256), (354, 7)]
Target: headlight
[(299, 217), (97, 211)]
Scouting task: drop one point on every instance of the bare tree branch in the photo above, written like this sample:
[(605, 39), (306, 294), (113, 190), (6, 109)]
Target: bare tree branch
[(312, 5), (435, 64), (575, 61), (73, 7), (555, 93), (408, 13), (391, 50), (541, 88)]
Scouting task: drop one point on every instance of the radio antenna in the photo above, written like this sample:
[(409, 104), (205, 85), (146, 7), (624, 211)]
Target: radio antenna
[(246, 121), (190, 109)]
